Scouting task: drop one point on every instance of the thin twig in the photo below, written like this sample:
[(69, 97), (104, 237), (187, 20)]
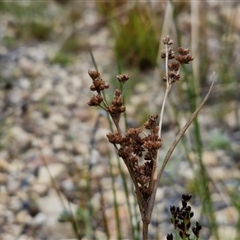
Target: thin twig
[(169, 153), (182, 131)]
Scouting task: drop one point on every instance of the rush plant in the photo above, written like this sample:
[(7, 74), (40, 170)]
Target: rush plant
[(139, 147)]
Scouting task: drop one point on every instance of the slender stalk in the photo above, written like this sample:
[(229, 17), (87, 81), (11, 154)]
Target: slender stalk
[(145, 230), (119, 235), (169, 153), (182, 131), (168, 87)]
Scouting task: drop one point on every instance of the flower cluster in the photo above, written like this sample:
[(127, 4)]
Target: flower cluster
[(174, 67), (98, 85), (135, 145), (181, 219)]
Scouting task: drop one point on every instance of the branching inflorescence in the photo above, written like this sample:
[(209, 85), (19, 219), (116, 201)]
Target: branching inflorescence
[(181, 220), (135, 145)]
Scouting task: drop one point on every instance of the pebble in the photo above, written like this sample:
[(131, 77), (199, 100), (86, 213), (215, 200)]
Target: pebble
[(55, 169), (21, 137), (14, 204), (4, 198), (53, 213), (58, 142), (39, 219), (4, 165), (226, 232), (23, 217), (58, 119), (40, 189), (3, 178), (28, 67)]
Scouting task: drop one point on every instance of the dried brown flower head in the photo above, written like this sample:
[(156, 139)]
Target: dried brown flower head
[(122, 78), (93, 74), (167, 40), (96, 100), (184, 56), (170, 53)]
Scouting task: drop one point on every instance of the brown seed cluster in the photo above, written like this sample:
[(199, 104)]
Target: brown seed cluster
[(133, 146), (98, 85), (122, 78), (116, 108), (174, 67), (181, 219), (184, 57)]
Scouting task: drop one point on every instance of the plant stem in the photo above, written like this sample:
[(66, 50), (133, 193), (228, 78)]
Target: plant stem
[(145, 230), (151, 201)]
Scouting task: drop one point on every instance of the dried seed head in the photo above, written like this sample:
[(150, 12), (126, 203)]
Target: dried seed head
[(114, 138), (196, 230), (93, 74), (173, 77), (184, 59), (95, 100), (122, 78), (174, 66), (183, 51), (167, 40), (170, 53), (169, 236), (172, 209), (186, 197)]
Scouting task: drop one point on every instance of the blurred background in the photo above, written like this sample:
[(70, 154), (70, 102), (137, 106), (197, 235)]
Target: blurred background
[(59, 177)]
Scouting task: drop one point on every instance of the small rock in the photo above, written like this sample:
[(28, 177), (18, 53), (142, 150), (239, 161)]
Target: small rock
[(14, 204), (67, 185), (209, 158), (101, 134), (3, 197), (24, 83), (69, 100), (226, 232), (219, 173), (58, 230), (84, 114), (20, 136), (38, 94), (25, 237), (103, 147), (228, 215), (159, 195), (124, 220), (52, 207), (58, 142), (120, 195), (28, 67), (58, 119), (40, 189), (4, 165), (13, 186), (56, 169), (3, 178), (23, 218), (39, 219)]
